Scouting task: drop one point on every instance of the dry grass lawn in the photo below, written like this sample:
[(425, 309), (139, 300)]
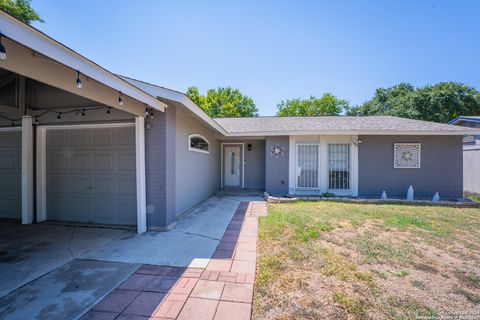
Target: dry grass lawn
[(326, 260)]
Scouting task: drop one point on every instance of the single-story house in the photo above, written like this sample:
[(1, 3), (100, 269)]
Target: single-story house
[(81, 144), (471, 153)]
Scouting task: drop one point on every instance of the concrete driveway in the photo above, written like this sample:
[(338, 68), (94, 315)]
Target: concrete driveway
[(59, 272)]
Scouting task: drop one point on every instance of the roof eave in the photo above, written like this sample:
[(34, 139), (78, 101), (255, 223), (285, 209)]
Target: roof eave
[(37, 41), (464, 119), (353, 132)]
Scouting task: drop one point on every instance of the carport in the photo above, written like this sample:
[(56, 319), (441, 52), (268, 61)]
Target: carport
[(72, 135)]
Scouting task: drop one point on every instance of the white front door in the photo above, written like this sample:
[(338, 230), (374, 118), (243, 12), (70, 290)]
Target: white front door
[(232, 164)]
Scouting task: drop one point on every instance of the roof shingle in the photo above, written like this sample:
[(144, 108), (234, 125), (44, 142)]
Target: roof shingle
[(336, 125)]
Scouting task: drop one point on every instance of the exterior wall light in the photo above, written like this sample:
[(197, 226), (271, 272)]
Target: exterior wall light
[(120, 99), (79, 82), (249, 147)]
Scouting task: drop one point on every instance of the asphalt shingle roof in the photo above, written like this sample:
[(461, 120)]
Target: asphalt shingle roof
[(335, 124)]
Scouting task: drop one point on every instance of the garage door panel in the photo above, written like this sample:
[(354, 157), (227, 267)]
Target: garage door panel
[(105, 213), (81, 160), (9, 184), (126, 186), (103, 161), (7, 161), (103, 137), (126, 162), (11, 139), (94, 181), (10, 174), (56, 161), (125, 137), (104, 186), (79, 137), (58, 184), (123, 212), (80, 185), (80, 210), (57, 138), (10, 208)]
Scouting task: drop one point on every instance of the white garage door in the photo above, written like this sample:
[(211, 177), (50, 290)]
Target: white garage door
[(10, 174), (91, 175)]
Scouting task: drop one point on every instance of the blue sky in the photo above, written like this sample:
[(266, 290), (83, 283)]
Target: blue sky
[(274, 50)]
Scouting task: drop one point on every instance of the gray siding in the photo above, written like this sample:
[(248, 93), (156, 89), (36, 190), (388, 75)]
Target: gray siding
[(160, 169), (276, 169), (255, 163), (197, 174), (441, 167)]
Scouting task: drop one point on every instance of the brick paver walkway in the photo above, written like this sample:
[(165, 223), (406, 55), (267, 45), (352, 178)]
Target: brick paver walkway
[(222, 290)]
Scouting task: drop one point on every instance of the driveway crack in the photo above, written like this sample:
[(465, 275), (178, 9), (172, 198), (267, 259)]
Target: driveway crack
[(70, 242), (198, 235)]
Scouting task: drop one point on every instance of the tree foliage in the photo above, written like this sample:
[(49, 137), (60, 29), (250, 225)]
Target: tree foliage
[(224, 102), (440, 102), (327, 105), (21, 10)]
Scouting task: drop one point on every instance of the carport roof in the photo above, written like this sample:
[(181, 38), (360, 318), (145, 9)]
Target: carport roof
[(39, 42)]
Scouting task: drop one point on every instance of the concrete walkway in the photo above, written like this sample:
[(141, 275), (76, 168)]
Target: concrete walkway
[(192, 240), (218, 288)]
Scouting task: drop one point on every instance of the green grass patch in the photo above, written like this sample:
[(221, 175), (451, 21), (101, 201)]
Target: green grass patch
[(475, 197), (349, 304), (406, 221), (406, 308), (401, 274), (380, 274), (374, 250)]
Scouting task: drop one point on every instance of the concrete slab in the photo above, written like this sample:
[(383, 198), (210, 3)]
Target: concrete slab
[(27, 252), (195, 236), (67, 292), (171, 248)]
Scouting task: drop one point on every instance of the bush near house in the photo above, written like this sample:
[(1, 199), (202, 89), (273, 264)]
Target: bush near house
[(327, 260)]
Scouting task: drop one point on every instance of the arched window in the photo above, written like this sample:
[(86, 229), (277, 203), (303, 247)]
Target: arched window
[(198, 143)]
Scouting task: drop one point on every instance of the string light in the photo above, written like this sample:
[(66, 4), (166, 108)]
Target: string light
[(120, 99), (3, 52), (79, 82), (77, 112)]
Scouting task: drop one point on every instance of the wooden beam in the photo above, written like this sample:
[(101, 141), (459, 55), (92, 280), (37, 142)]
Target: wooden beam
[(27, 170), (140, 172), (22, 109), (23, 62)]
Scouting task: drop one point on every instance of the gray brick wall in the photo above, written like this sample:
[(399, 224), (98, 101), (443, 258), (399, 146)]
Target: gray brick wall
[(441, 167), (160, 169), (276, 169)]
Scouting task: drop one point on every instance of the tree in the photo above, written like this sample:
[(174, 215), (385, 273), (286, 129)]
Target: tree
[(327, 105), (224, 102), (21, 10), (440, 102)]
